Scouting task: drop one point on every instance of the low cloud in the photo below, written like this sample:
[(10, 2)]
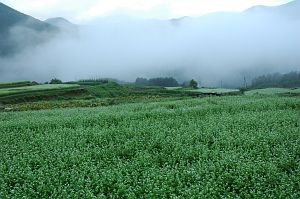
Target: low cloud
[(218, 47)]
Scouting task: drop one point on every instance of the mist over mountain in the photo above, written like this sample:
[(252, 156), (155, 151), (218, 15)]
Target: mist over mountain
[(10, 17), (63, 24), (18, 31), (212, 48)]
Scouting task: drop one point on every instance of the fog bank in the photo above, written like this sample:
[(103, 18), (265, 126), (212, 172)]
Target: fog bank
[(218, 47)]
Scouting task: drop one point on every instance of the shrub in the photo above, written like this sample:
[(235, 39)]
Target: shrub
[(55, 81), (193, 84)]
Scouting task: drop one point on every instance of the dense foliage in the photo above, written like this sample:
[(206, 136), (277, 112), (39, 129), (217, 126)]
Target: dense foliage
[(55, 81), (217, 147), (288, 80), (160, 81), (193, 84)]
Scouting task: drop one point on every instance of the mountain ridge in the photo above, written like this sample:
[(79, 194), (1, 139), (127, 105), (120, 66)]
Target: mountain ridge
[(63, 24), (19, 31), (10, 17), (290, 9)]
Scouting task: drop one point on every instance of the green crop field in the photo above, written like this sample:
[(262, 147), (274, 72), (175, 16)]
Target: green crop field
[(44, 87), (213, 147), (215, 90), (40, 92), (16, 84), (173, 88), (272, 91)]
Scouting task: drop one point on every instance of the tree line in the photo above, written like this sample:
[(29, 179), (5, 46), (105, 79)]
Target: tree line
[(165, 82), (159, 81), (287, 80)]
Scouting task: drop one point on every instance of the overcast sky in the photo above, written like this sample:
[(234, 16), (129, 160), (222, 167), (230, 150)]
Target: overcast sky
[(79, 11)]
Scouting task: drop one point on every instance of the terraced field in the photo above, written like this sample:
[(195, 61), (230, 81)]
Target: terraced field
[(213, 147), (28, 89), (15, 84), (273, 91), (215, 90), (173, 88), (39, 92)]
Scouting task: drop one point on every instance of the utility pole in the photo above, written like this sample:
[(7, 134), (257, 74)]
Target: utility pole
[(245, 82)]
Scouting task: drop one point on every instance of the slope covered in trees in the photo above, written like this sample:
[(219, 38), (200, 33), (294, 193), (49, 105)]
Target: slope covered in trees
[(288, 80)]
